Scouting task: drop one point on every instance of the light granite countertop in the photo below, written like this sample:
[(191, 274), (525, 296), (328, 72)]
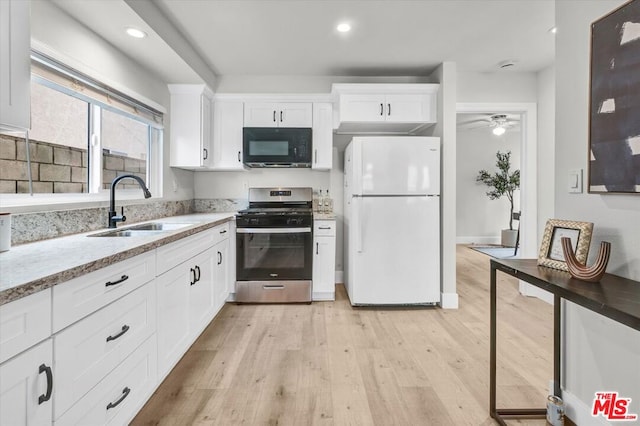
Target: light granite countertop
[(29, 268), (324, 216)]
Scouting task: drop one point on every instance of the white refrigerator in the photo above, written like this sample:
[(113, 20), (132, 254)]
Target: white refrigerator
[(392, 220)]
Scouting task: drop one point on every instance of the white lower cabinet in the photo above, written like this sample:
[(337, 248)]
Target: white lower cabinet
[(190, 293), (119, 396), (26, 386), (90, 349), (117, 332), (173, 317), (201, 292), (324, 259), (221, 276)]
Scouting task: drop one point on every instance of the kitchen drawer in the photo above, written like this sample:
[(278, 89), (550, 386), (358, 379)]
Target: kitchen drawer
[(81, 296), (119, 396), (273, 291), (324, 228), (221, 233), (173, 254), (24, 322), (88, 350)]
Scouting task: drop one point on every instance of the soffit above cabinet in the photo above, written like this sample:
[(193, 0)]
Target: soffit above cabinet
[(384, 108)]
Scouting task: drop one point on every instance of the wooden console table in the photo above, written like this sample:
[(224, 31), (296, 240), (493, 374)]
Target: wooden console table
[(614, 297)]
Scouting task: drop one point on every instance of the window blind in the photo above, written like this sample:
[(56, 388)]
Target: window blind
[(47, 69)]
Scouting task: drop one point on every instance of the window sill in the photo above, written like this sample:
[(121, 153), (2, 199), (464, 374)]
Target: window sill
[(25, 203)]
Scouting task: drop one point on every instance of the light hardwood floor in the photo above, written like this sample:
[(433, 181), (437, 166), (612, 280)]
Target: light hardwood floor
[(331, 364)]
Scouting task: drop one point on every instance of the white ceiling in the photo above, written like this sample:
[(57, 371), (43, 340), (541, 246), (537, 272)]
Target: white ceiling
[(298, 37)]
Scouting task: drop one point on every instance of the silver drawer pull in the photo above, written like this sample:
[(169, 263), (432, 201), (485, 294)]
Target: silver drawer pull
[(273, 287)]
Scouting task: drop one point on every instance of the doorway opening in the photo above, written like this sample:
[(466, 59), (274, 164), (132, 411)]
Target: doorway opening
[(477, 216)]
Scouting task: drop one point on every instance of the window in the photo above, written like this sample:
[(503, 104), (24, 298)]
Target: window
[(83, 135)]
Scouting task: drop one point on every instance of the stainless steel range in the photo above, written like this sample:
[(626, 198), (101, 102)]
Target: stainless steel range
[(274, 244)]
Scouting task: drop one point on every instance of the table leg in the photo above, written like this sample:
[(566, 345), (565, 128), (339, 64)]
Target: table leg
[(493, 338), (557, 323)]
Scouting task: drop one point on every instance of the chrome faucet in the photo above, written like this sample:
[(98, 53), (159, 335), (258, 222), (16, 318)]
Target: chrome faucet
[(113, 217)]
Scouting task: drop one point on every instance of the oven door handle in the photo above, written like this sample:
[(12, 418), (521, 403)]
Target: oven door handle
[(273, 230)]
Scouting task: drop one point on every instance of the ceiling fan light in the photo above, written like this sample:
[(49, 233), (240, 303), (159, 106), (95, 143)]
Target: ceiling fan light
[(498, 131)]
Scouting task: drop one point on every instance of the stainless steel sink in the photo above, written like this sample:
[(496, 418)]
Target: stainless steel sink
[(144, 229)]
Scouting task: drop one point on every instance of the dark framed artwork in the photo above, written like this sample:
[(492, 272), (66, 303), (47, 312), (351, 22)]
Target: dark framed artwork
[(614, 125)]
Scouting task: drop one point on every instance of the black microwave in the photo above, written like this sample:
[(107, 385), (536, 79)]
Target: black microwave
[(276, 146)]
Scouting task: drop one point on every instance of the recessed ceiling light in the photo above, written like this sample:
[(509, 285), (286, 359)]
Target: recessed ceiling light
[(135, 32), (553, 30), (344, 27)]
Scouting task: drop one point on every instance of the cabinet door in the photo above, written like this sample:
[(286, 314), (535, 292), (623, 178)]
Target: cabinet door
[(206, 128), (25, 387), (15, 71), (407, 108), (362, 108), (227, 135), (173, 317), (323, 268), (261, 114), (221, 280), (322, 136), (295, 114), (201, 292), (190, 125)]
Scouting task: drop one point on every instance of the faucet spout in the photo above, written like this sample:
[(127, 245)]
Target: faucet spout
[(113, 218)]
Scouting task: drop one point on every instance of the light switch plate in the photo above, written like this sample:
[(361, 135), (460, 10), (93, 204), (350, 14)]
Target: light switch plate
[(575, 181)]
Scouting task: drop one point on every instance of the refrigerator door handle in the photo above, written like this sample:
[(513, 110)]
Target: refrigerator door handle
[(359, 224)]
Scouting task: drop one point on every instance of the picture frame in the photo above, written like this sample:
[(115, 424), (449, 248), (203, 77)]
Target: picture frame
[(614, 102), (551, 254)]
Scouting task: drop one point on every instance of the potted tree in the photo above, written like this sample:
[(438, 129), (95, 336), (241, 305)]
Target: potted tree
[(503, 183)]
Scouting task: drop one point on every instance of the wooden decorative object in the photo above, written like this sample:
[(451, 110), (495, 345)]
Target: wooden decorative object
[(580, 270)]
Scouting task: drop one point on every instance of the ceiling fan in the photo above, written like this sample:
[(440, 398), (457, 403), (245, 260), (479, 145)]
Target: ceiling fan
[(499, 123)]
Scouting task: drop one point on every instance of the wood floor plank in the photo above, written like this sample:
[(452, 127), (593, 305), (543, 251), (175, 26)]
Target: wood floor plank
[(329, 363)]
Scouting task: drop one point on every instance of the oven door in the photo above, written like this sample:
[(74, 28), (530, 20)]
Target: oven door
[(274, 254)]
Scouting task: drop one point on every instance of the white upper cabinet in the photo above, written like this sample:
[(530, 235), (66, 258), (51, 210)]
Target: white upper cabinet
[(322, 136), (191, 125), (227, 135), (385, 108), (278, 114), (15, 63)]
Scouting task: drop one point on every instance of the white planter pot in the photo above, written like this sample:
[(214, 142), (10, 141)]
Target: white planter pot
[(508, 237)]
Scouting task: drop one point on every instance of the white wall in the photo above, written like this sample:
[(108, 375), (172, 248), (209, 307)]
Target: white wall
[(65, 39), (476, 150), (546, 145), (236, 184), (502, 86), (599, 354)]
